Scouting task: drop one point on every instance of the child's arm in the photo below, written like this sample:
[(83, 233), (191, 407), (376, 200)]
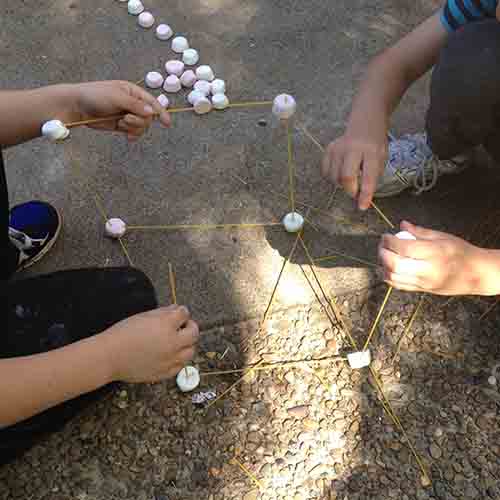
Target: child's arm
[(23, 112), (357, 159)]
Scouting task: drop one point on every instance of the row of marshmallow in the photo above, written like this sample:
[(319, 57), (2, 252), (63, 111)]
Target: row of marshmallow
[(173, 83), (201, 104)]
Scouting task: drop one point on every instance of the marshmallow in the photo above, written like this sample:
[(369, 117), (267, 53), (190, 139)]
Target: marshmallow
[(359, 359), (188, 78), (205, 73), (284, 106), (293, 222), (174, 67), (202, 86), (202, 106), (190, 57), (188, 379), (164, 32), (194, 96), (115, 228), (145, 20), (135, 7), (172, 84), (218, 87), (55, 130), (405, 235), (179, 44), (154, 80), (163, 100), (220, 101)]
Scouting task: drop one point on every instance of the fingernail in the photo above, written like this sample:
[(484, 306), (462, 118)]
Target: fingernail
[(148, 110)]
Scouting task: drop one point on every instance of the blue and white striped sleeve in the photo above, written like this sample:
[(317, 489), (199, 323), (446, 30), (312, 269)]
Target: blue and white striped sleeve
[(457, 13)]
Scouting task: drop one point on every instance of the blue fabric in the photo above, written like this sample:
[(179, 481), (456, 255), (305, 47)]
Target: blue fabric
[(34, 218), (457, 13)]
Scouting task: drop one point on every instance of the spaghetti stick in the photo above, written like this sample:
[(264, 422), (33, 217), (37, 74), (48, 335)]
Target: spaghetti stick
[(171, 277), (379, 315)]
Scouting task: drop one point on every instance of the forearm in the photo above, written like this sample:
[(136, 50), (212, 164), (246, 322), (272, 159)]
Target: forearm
[(23, 112), (31, 384)]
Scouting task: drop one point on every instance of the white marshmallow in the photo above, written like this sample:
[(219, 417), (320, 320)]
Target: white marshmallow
[(359, 359), (55, 130), (135, 7), (180, 44), (218, 87), (194, 96), (172, 84), (188, 379), (145, 20), (205, 73), (154, 80), (115, 228), (188, 78), (163, 100), (190, 57), (405, 235), (202, 86), (164, 32), (293, 222), (284, 106), (174, 67), (202, 106), (220, 101)]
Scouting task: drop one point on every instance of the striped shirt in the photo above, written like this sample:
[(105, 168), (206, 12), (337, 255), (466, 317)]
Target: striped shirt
[(456, 13)]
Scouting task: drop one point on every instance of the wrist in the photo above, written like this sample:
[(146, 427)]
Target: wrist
[(486, 271), (66, 99)]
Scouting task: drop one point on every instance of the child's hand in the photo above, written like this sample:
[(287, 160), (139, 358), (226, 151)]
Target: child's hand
[(152, 346), (100, 99), (436, 263), (355, 161)]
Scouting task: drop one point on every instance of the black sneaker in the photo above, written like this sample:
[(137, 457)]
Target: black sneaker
[(33, 229)]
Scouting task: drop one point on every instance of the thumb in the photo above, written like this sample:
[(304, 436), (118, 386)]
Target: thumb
[(179, 315), (421, 232)]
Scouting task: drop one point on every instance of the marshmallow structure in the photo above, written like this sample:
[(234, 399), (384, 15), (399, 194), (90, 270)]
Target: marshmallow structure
[(202, 86), (293, 222), (174, 67), (188, 379), (202, 106), (218, 86), (180, 44), (220, 101), (115, 228), (163, 100), (145, 20), (284, 106), (55, 130), (164, 32), (190, 57), (194, 96), (205, 73), (135, 7), (405, 235), (154, 80), (188, 78), (359, 359), (172, 84)]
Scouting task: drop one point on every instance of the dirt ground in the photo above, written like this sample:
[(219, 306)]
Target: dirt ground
[(311, 430)]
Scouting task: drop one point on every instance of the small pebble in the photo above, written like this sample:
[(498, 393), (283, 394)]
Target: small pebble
[(492, 380)]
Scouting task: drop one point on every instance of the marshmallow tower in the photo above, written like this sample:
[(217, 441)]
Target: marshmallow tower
[(154, 80), (190, 57), (284, 106), (164, 32), (115, 228), (55, 130), (293, 222), (179, 44), (135, 7), (188, 379), (145, 20)]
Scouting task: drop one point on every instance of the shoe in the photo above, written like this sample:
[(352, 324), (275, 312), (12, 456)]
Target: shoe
[(33, 229), (411, 164)]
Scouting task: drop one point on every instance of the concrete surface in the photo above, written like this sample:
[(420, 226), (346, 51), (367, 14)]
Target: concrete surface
[(190, 174)]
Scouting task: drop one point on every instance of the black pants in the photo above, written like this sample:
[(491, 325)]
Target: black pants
[(47, 312), (465, 93)]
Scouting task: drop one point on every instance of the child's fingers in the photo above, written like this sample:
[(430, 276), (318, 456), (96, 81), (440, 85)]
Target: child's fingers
[(368, 180), (140, 94), (349, 173)]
